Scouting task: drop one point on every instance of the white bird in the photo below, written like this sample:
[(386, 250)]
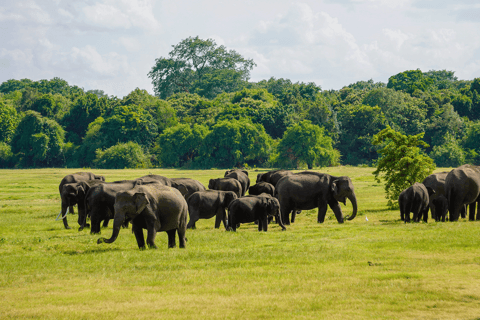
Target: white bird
[(366, 219)]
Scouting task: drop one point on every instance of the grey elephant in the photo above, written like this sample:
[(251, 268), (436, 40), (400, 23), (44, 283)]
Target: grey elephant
[(462, 187), (207, 204), (254, 208), (100, 199), (261, 187), (308, 190), (242, 176), (67, 197), (190, 186), (441, 208), (154, 207), (272, 176), (415, 199), (226, 184), (436, 181)]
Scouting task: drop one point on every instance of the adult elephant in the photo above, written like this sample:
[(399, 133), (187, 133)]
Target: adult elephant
[(241, 176), (462, 187), (437, 201), (70, 201), (261, 187), (254, 208), (154, 207), (415, 199), (308, 190), (273, 176), (100, 199), (207, 204), (190, 186), (226, 184)]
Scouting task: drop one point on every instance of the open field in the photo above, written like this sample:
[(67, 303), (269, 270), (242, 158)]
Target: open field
[(375, 269)]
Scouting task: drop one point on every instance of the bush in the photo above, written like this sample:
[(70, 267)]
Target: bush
[(450, 154), (122, 155), (7, 159)]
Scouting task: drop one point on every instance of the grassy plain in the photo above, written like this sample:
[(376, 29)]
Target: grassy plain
[(373, 267)]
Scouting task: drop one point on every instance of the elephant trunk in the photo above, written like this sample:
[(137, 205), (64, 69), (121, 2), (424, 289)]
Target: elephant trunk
[(118, 221), (353, 200)]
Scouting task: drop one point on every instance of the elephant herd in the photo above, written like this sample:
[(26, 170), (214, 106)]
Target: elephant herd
[(444, 192), (158, 203)]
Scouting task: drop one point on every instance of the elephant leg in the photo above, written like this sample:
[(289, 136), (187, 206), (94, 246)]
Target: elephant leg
[(463, 213), (71, 210), (105, 222), (425, 215), (471, 211), (64, 215), (224, 219), (218, 218), (322, 211), (181, 237), (171, 238), (138, 231), (336, 210), (191, 222), (294, 214), (152, 233)]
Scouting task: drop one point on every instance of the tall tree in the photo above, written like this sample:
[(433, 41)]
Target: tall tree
[(199, 66)]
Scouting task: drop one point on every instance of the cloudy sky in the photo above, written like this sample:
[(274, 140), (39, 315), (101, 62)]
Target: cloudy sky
[(111, 45)]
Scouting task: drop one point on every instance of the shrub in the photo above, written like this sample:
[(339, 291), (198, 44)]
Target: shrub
[(122, 155)]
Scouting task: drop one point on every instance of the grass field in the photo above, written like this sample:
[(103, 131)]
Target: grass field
[(378, 268)]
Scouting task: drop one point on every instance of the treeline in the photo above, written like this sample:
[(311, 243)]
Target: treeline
[(271, 123)]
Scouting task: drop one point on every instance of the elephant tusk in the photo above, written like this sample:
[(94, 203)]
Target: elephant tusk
[(66, 212)]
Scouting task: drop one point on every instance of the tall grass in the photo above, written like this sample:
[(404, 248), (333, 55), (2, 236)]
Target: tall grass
[(375, 269)]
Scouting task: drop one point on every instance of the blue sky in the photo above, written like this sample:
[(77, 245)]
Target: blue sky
[(112, 44)]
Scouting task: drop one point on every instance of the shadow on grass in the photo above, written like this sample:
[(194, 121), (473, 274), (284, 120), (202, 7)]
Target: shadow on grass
[(90, 251)]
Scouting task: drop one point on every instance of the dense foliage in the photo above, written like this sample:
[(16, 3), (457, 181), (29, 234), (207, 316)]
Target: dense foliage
[(207, 114)]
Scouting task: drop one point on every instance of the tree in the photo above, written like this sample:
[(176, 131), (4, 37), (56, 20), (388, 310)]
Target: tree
[(180, 145), (409, 81), (234, 143), (38, 141), (192, 108), (471, 143), (358, 124), (448, 154), (122, 155), (401, 162), (8, 121), (199, 66), (305, 143)]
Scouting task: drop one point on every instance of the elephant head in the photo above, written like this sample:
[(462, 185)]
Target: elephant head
[(73, 193), (229, 196), (342, 189), (127, 207), (212, 183), (441, 207)]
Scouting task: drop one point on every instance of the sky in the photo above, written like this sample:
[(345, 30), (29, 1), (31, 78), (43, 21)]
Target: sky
[(111, 45)]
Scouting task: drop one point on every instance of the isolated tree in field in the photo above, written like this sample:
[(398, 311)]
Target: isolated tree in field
[(305, 143), (401, 162), (199, 66)]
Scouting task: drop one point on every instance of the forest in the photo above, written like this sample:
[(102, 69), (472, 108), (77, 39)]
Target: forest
[(205, 113)]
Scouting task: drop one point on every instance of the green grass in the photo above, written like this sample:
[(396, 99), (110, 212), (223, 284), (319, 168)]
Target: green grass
[(375, 269)]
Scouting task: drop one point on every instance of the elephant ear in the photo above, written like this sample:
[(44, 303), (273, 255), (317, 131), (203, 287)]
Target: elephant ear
[(141, 201), (430, 191), (82, 189), (334, 188)]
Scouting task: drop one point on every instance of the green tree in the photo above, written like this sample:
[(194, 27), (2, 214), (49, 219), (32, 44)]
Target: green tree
[(409, 81), (192, 108), (38, 141), (306, 143), (93, 140), (122, 155), (401, 162), (449, 154), (234, 143), (471, 143), (180, 145), (358, 124), (7, 159), (199, 66), (8, 121)]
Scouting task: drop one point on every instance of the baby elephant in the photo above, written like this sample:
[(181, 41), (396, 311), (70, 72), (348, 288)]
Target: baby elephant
[(207, 204), (262, 187), (252, 208), (415, 199)]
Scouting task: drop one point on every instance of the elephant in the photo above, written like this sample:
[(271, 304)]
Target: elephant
[(240, 175), (462, 187), (254, 208), (441, 208), (273, 176), (190, 186), (100, 199), (415, 199), (436, 181), (154, 207), (226, 184), (206, 204), (261, 187), (67, 197), (308, 190)]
